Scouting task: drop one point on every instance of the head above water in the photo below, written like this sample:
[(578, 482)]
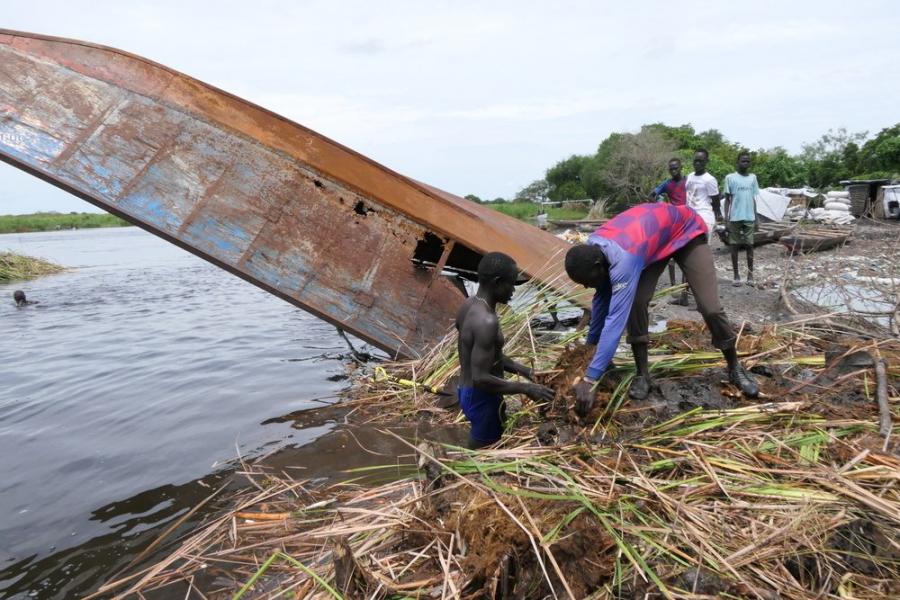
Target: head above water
[(497, 274), (587, 265), (19, 297), (675, 168), (701, 157), (743, 162)]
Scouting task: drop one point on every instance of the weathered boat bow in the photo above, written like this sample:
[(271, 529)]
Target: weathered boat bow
[(269, 200)]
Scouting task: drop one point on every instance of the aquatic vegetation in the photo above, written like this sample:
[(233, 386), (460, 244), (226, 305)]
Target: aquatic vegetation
[(51, 221), (528, 210), (16, 266)]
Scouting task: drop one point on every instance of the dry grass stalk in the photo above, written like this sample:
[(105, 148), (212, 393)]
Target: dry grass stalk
[(792, 497), (782, 499)]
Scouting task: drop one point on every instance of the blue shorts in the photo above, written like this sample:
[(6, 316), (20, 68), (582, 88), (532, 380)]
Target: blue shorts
[(483, 411)]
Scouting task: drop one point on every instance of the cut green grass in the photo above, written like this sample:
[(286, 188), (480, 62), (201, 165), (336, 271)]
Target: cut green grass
[(15, 267)]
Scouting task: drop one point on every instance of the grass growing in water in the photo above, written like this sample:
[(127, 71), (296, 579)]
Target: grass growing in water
[(53, 221), (16, 266)]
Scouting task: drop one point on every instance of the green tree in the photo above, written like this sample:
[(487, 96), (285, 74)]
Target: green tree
[(536, 191), (632, 168), (474, 198), (713, 140), (684, 137), (850, 157), (592, 178), (826, 158), (564, 179), (777, 168), (888, 154), (626, 165), (882, 152)]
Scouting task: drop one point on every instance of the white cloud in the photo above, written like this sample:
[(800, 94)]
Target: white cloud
[(556, 108)]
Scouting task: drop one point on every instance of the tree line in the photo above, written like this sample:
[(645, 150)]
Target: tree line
[(627, 166), (51, 221)]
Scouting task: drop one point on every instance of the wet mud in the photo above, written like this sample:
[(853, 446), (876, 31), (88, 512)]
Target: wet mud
[(500, 561), (833, 391)]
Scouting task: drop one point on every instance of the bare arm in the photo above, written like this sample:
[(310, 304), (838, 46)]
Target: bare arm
[(717, 205), (511, 366), (728, 198), (484, 351)]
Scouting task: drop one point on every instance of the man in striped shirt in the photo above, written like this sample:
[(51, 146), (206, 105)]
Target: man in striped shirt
[(623, 260)]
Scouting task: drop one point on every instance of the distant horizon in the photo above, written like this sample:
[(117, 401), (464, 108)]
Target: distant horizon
[(59, 212)]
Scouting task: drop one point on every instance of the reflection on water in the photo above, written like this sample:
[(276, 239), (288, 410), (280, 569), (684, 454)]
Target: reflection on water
[(141, 371), (136, 522), (132, 524), (849, 297)]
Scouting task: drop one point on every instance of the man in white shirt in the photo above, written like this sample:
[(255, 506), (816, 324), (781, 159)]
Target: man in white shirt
[(703, 191)]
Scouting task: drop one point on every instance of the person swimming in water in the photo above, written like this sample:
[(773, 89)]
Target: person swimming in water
[(21, 300)]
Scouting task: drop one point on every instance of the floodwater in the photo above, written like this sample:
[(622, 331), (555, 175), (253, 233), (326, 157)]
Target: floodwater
[(127, 392), (848, 297)]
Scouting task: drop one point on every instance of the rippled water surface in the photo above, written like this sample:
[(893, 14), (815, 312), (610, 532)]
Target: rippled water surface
[(141, 371)]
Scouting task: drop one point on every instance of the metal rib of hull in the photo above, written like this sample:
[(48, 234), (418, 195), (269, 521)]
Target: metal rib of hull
[(277, 204)]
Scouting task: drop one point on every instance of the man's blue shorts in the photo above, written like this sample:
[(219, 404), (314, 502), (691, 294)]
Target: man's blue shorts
[(483, 411)]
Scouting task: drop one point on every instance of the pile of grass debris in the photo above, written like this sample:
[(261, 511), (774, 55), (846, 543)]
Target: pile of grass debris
[(695, 492), (16, 266)]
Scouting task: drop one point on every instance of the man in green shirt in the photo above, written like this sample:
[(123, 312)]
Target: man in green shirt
[(741, 190)]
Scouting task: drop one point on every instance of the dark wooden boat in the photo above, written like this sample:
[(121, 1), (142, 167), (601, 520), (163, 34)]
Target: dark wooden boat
[(262, 197), (816, 239), (579, 223)]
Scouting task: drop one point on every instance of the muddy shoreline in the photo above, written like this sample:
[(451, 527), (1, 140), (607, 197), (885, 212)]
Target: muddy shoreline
[(481, 525)]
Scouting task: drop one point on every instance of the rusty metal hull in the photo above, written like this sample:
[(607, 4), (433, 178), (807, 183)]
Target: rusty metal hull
[(273, 202)]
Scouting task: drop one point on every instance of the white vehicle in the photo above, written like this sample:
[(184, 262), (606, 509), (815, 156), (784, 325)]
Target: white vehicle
[(889, 201), (876, 198)]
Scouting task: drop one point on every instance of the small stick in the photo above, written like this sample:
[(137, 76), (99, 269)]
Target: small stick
[(784, 297), (261, 516), (884, 411)]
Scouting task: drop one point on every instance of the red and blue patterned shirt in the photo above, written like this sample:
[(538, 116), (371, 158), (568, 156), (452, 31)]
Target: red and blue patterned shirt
[(676, 191), (631, 241)]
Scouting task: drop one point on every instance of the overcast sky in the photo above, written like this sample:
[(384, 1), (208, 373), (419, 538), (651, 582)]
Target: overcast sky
[(482, 97)]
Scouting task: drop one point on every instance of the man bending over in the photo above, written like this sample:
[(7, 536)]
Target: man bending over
[(481, 359), (623, 260)]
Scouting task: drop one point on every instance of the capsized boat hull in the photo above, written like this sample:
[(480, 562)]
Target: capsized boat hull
[(269, 200)]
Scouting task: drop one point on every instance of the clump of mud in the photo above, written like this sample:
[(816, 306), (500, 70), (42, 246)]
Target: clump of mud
[(499, 557), (569, 369), (669, 396)]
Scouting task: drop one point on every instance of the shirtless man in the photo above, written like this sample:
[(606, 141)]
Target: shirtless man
[(481, 359)]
